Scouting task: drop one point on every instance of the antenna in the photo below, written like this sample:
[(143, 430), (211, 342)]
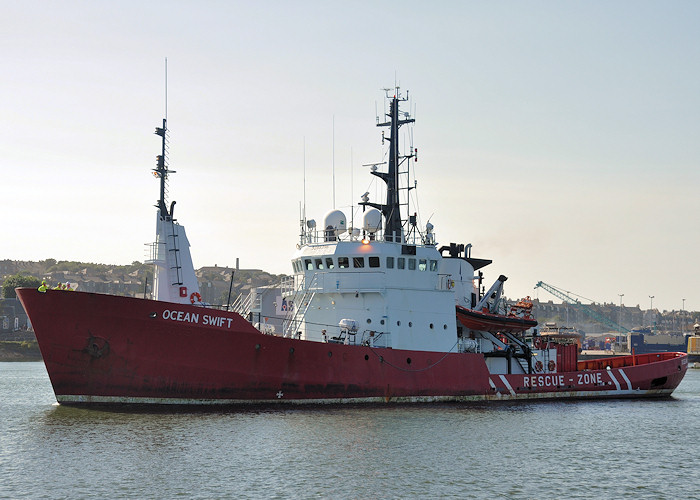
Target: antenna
[(352, 202), (333, 162), (166, 88), (304, 205)]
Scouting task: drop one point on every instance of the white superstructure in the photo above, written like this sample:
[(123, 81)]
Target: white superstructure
[(388, 276)]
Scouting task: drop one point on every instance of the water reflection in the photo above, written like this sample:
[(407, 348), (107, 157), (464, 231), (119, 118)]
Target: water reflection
[(568, 449)]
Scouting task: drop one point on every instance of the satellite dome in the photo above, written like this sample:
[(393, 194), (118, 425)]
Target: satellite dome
[(337, 220), (372, 220), (334, 224)]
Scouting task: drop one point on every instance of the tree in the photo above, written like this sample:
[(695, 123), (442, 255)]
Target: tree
[(18, 280)]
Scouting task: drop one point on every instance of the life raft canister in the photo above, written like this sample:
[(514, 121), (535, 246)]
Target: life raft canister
[(551, 365), (195, 295)]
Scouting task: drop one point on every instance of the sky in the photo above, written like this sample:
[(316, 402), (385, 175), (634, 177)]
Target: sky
[(559, 138)]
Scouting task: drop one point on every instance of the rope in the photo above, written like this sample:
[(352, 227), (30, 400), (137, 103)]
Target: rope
[(373, 350), (381, 358)]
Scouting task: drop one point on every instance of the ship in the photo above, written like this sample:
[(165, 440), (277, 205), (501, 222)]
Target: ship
[(372, 314), (693, 346), (643, 340)]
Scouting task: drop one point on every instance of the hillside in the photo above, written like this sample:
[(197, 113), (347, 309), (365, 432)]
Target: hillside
[(136, 278)]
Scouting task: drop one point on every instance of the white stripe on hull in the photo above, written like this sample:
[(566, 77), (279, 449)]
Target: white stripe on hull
[(617, 384), (508, 386), (498, 396), (624, 375)]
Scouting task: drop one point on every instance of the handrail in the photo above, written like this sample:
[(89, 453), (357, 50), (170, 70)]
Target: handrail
[(628, 360)]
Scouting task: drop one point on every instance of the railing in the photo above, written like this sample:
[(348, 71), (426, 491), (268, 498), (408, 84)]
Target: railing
[(629, 360), (242, 304), (301, 300)]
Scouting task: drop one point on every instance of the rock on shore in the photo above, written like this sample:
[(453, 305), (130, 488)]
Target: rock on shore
[(27, 350)]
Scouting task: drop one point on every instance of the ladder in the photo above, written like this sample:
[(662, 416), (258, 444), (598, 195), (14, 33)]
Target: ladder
[(175, 271), (301, 299)]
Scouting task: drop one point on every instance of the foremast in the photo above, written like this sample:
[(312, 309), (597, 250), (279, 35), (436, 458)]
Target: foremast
[(391, 209), (161, 171), (174, 279)]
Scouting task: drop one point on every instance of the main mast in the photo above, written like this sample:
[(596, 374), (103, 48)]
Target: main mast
[(162, 172), (391, 210)]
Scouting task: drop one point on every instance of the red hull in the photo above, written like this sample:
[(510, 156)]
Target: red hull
[(494, 323), (107, 349)]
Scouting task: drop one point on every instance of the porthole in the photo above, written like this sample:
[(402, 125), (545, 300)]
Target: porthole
[(408, 360), (381, 322), (431, 326), (410, 324), (369, 321), (366, 357), (398, 323), (444, 327), (330, 354)]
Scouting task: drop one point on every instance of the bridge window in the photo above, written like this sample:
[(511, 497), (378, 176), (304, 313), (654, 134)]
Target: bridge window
[(329, 262), (390, 263), (411, 264), (433, 265), (309, 264), (373, 261), (401, 263), (422, 265), (343, 262), (319, 263), (358, 262)]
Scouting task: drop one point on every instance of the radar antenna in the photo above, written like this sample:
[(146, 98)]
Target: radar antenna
[(391, 210), (162, 171)]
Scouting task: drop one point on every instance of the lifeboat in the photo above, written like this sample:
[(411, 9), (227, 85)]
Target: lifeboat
[(485, 321)]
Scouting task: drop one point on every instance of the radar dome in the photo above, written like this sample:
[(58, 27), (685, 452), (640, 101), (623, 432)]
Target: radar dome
[(334, 224), (372, 220), (335, 219)]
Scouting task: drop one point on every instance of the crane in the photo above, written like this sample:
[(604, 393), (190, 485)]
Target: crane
[(582, 307)]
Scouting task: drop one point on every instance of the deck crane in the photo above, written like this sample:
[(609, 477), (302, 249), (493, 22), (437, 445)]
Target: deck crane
[(582, 307)]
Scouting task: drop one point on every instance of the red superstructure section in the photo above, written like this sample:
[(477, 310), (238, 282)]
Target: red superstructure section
[(620, 376)]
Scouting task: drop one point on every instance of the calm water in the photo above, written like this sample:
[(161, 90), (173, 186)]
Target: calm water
[(609, 449)]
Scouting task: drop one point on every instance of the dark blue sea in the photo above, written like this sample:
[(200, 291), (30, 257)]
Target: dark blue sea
[(633, 449)]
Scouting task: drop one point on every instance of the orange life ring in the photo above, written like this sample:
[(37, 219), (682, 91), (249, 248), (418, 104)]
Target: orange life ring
[(195, 295), (538, 366), (551, 365)]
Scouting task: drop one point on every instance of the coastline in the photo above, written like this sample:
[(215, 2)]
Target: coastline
[(15, 350)]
